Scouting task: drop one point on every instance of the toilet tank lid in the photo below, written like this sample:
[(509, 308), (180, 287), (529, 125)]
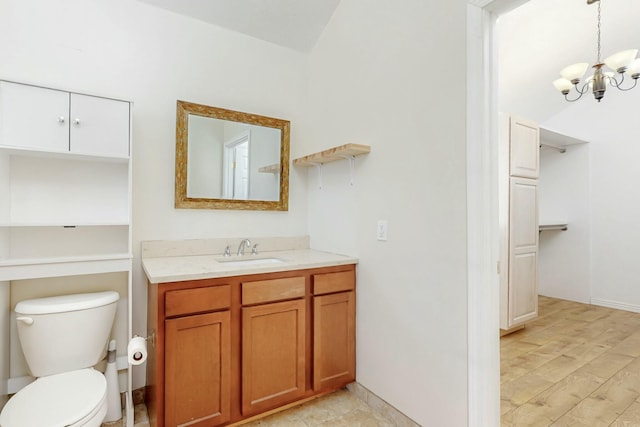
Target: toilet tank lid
[(64, 303)]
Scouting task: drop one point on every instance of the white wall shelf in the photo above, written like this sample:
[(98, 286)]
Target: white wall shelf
[(33, 152), (34, 268)]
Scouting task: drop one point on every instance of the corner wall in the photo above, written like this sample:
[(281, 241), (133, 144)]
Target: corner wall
[(611, 127), (374, 79), (564, 266)]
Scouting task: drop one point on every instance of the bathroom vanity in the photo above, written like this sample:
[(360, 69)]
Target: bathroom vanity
[(236, 338)]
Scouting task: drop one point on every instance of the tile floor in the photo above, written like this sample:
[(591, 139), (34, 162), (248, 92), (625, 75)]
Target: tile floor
[(339, 409), (576, 365)]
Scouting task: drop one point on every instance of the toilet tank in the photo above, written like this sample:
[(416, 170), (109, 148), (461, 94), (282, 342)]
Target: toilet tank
[(65, 333)]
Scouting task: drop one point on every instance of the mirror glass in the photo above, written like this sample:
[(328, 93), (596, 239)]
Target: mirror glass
[(230, 160)]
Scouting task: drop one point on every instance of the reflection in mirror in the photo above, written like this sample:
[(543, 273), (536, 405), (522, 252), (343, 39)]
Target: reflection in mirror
[(230, 160)]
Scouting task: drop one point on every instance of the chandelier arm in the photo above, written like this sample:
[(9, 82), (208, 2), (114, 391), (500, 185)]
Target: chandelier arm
[(635, 82), (566, 97), (585, 89), (615, 83)]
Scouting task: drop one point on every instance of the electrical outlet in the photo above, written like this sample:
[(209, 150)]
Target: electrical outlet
[(382, 230)]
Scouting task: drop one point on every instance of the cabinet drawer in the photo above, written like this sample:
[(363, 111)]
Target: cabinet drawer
[(272, 290), (198, 300), (334, 282)]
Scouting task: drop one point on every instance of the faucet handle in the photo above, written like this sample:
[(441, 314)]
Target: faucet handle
[(227, 251), (254, 250)]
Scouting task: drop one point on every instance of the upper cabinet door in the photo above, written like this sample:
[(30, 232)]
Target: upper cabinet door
[(99, 126), (525, 148), (34, 117)]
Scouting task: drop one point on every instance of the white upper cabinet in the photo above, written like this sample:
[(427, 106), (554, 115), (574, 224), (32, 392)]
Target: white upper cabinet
[(34, 117), (56, 121), (99, 126), (525, 148)]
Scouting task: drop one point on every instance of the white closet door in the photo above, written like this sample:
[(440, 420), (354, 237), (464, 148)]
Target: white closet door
[(523, 250), (99, 126), (34, 117), (525, 148)]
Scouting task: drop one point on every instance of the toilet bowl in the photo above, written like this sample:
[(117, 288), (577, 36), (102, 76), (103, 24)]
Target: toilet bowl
[(74, 399)]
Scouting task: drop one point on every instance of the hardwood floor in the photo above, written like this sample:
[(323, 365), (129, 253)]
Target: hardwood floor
[(576, 365)]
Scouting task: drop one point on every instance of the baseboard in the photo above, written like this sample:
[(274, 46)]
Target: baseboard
[(617, 305)]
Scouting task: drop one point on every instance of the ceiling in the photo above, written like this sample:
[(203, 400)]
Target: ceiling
[(538, 39), (296, 24), (534, 41)]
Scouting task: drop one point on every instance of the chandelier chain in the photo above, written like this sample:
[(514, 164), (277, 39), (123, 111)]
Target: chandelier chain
[(599, 16)]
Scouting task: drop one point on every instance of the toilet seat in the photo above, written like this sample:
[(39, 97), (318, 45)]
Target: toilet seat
[(76, 398)]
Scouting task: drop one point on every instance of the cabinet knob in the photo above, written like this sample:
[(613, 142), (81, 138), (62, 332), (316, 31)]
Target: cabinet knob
[(61, 119), (76, 122)]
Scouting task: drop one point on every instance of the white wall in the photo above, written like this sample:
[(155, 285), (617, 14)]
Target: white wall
[(564, 263), (127, 49), (611, 126), (375, 78)]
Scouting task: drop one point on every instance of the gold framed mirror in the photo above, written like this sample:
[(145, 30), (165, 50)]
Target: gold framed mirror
[(227, 159)]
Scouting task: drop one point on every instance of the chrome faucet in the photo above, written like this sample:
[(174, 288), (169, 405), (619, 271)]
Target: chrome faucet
[(243, 244)]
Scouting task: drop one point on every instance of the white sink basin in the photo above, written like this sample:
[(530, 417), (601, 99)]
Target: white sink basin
[(251, 261)]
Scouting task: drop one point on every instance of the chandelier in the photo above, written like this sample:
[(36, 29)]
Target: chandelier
[(624, 63)]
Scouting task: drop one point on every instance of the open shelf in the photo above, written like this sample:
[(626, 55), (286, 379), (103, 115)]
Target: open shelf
[(33, 268), (275, 168), (332, 155), (557, 141), (36, 152), (543, 227)]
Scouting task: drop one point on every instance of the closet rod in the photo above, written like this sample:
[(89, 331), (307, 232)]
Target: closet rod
[(553, 147)]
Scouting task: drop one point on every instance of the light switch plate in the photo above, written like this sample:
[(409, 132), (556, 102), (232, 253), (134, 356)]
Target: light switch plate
[(382, 230)]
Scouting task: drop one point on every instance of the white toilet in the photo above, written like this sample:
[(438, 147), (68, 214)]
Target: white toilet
[(62, 338)]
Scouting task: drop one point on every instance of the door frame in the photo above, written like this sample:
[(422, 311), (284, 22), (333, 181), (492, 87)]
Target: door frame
[(483, 300)]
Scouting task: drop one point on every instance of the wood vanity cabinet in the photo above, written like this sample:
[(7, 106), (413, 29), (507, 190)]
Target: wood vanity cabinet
[(198, 356), (228, 349), (334, 330), (273, 343)]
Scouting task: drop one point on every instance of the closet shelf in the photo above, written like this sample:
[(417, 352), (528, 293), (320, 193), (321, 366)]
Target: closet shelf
[(275, 168), (333, 154), (558, 141), (543, 227)]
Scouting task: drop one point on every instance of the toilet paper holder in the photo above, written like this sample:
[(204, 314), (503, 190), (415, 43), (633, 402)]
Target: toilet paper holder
[(150, 339)]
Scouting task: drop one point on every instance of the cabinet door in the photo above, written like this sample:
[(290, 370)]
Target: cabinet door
[(198, 370), (523, 251), (99, 126), (34, 117), (524, 148), (334, 340), (273, 354)]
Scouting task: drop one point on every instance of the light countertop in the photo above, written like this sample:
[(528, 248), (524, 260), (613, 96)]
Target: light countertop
[(163, 269)]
